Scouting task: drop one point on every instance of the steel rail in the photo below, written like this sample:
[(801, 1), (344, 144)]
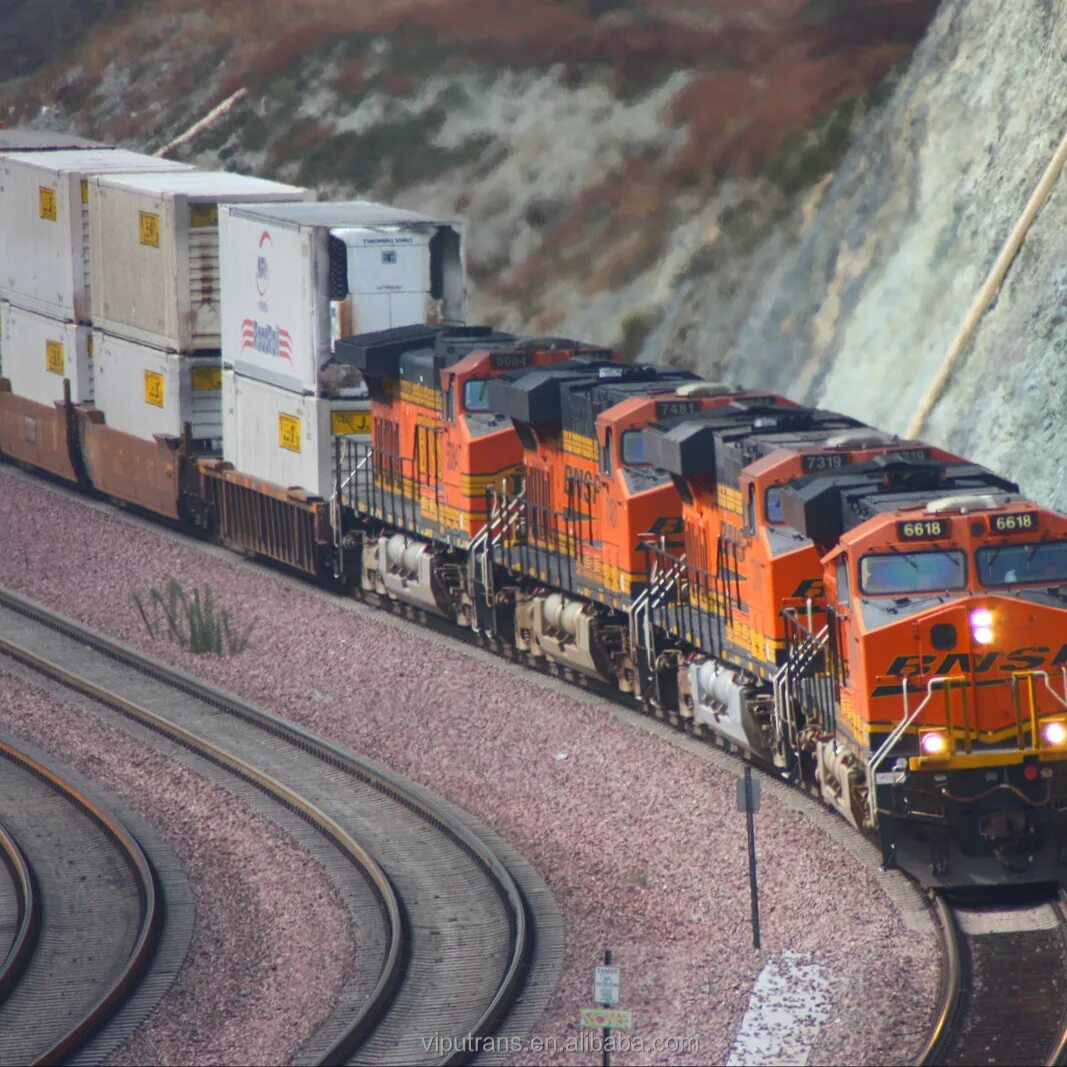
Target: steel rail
[(952, 997), (1058, 1052), (29, 914), (395, 960), (151, 902), (514, 901)]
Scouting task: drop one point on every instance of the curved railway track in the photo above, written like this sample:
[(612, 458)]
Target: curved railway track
[(1004, 984), (20, 914), (445, 955), (89, 913)]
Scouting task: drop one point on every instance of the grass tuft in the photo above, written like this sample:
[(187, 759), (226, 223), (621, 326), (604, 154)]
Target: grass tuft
[(192, 619)]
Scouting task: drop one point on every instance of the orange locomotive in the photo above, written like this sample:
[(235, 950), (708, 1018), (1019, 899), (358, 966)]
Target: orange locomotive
[(947, 608), (842, 631), (436, 451), (875, 617)]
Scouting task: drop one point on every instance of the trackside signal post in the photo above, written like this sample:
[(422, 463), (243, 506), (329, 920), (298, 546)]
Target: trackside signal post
[(607, 1017), (748, 801)]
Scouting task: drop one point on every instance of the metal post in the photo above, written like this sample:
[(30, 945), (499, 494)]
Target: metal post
[(750, 822), (606, 1031)]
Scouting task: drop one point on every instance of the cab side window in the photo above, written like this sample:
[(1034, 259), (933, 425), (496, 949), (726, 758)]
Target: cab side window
[(844, 591), (605, 455)]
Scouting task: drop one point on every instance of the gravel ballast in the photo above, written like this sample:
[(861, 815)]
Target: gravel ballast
[(638, 839), (271, 942)]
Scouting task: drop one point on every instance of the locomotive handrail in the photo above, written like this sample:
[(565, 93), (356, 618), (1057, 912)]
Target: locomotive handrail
[(340, 486), (898, 731), (801, 655), (1048, 685)]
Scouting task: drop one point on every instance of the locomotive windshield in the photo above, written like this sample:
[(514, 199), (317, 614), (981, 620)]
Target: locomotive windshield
[(773, 505), (633, 447), (903, 573), (476, 395), (1041, 561)]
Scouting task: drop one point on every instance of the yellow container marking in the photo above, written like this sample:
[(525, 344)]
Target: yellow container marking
[(85, 191), (203, 215), (149, 228), (289, 432), (206, 379), (348, 422), (46, 203), (53, 357), (153, 388)]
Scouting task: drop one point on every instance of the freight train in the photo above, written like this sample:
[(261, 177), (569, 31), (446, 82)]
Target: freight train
[(879, 620)]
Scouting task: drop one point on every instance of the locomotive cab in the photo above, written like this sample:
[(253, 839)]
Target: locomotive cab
[(947, 636)]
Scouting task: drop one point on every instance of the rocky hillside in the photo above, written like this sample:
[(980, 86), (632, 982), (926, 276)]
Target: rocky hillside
[(851, 298), (594, 146)]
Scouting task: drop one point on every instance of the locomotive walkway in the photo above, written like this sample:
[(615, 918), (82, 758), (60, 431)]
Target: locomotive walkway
[(444, 926)]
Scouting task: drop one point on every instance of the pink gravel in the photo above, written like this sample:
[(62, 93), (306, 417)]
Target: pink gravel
[(638, 839), (271, 945)]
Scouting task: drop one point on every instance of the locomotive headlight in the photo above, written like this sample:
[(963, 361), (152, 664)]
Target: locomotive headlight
[(932, 743), (1055, 733), (982, 626)]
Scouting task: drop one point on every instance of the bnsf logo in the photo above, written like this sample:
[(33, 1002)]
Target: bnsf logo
[(1028, 658)]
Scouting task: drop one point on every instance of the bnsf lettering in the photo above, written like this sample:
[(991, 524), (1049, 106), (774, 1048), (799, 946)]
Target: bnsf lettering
[(810, 587), (1029, 658), (670, 528)]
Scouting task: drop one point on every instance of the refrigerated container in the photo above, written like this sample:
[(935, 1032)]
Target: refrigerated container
[(156, 252), (296, 277), (44, 212), (146, 391), (39, 352), (20, 139), (285, 437)]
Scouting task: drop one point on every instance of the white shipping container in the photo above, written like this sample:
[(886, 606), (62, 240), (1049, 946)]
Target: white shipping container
[(284, 437), (295, 277), (146, 391), (156, 252), (40, 352), (19, 139), (44, 216)]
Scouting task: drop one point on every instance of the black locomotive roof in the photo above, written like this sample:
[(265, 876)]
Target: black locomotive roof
[(823, 506), (419, 353), (716, 444), (422, 349), (571, 395)]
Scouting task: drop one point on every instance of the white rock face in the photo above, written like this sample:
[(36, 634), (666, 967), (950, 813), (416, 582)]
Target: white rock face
[(853, 304)]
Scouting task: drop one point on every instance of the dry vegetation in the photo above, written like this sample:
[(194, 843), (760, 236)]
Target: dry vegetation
[(765, 74)]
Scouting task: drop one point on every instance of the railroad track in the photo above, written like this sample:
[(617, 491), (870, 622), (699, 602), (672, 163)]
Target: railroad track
[(86, 916), (444, 930), (1004, 984)]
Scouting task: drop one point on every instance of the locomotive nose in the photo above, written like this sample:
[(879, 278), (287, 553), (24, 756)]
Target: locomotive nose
[(1000, 665)]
